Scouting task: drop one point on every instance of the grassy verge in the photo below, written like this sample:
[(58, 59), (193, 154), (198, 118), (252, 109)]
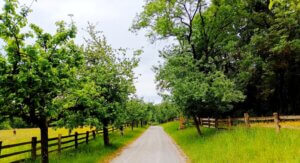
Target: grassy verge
[(95, 151), (237, 145)]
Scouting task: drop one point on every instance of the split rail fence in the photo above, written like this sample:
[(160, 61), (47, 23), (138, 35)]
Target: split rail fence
[(62, 143), (229, 122)]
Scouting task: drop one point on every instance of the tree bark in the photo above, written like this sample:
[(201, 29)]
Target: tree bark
[(44, 140), (105, 133), (132, 125), (122, 130), (197, 124)]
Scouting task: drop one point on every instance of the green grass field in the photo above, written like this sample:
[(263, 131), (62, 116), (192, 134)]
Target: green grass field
[(24, 135), (237, 145), (93, 152)]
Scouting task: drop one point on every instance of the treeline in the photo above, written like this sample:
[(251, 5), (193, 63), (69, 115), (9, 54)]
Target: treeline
[(230, 56), (139, 112)]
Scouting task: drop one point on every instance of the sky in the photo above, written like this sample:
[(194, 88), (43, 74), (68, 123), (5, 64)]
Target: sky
[(114, 18)]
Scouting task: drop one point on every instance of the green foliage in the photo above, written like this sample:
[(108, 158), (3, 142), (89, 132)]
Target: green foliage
[(18, 123), (269, 61), (136, 110), (164, 112), (104, 85), (33, 75), (247, 45), (36, 68), (5, 125), (194, 71), (15, 122), (194, 91)]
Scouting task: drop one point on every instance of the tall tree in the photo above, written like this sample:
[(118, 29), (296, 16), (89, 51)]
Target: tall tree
[(105, 84), (195, 68), (33, 75)]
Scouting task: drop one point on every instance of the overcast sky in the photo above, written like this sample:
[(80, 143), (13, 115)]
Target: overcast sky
[(114, 18)]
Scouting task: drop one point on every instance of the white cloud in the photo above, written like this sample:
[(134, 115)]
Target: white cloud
[(114, 18)]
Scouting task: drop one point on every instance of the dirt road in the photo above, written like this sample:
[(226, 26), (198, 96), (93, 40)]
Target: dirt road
[(154, 146)]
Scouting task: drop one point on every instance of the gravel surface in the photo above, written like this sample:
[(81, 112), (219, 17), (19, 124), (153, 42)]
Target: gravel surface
[(154, 146)]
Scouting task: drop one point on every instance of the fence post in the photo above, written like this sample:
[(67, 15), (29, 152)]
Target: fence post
[(87, 137), (94, 134), (276, 121), (229, 122), (216, 123), (70, 132), (59, 143), (208, 122), (246, 117), (33, 148), (0, 146), (76, 140)]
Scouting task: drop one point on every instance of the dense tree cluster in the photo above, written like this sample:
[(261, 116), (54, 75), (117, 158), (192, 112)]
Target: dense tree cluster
[(230, 56)]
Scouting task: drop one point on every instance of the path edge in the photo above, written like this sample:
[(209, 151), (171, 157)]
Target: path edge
[(120, 150), (187, 160)]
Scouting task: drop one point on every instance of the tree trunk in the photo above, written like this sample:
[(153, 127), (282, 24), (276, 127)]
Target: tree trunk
[(132, 125), (122, 130), (105, 133), (197, 124), (141, 123), (44, 140), (70, 132)]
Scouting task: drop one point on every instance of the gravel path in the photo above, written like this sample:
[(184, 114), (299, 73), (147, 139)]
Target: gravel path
[(154, 146)]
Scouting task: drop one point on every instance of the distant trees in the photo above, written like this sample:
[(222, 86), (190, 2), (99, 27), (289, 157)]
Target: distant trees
[(164, 112), (137, 111)]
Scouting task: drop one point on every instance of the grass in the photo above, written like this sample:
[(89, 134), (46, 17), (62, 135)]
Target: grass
[(24, 135), (284, 124), (93, 152), (237, 145)]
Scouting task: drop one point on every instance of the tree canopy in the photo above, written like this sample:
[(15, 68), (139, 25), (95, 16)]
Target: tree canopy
[(230, 56)]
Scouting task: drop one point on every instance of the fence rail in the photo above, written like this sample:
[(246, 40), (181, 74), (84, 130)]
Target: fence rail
[(229, 122), (34, 142)]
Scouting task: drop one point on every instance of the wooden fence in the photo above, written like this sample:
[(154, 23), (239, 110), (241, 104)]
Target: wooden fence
[(209, 122), (246, 120), (61, 143)]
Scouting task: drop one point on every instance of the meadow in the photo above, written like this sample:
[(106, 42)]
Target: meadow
[(24, 135), (91, 152), (239, 144)]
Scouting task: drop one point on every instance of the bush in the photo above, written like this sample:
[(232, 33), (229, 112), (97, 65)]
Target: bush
[(5, 125), (18, 123)]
